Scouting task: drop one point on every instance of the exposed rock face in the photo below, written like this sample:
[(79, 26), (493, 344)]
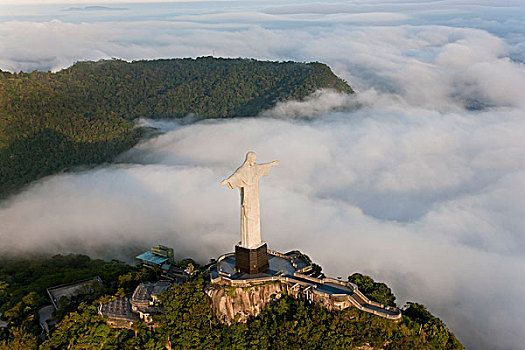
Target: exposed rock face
[(365, 347), (228, 301)]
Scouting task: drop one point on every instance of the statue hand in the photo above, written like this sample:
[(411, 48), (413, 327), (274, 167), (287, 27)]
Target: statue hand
[(276, 162)]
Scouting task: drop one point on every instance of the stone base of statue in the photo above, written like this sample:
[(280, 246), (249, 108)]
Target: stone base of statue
[(251, 260)]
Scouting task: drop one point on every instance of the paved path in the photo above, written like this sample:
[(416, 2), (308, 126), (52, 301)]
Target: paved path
[(364, 304), (2, 322), (334, 288), (46, 313)]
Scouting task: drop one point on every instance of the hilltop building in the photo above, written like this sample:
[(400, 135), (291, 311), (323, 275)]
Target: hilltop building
[(143, 304), (60, 296), (118, 313), (162, 257), (64, 292), (254, 265), (145, 300), (158, 256)]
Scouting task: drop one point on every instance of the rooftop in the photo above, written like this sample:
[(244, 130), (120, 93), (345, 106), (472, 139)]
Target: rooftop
[(152, 258), (146, 291), (72, 289), (120, 308)]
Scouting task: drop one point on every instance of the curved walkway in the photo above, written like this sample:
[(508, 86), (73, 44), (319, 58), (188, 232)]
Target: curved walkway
[(338, 293), (352, 294)]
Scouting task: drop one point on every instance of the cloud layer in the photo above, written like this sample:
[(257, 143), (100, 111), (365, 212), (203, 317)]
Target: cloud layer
[(417, 180)]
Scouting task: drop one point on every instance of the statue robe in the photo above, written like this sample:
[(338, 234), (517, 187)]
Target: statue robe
[(247, 177)]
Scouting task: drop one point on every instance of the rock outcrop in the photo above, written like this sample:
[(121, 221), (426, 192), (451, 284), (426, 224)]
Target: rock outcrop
[(239, 303)]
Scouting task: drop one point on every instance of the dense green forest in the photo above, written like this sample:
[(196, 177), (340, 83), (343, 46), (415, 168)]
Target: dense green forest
[(376, 291), (188, 322), (84, 114)]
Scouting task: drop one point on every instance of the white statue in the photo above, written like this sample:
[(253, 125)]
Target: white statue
[(246, 177)]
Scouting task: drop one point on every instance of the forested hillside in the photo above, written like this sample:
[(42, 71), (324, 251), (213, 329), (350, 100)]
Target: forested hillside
[(188, 322), (84, 114)]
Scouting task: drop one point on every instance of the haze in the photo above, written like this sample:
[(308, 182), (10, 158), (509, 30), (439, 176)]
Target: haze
[(419, 180)]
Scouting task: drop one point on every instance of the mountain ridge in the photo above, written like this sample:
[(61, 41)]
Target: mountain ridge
[(84, 114)]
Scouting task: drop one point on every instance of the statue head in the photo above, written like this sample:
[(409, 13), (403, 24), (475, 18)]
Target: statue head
[(250, 158)]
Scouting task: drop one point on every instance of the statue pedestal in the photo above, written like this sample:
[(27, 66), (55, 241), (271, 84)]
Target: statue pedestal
[(251, 260)]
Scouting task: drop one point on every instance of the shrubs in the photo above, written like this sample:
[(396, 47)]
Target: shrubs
[(376, 291)]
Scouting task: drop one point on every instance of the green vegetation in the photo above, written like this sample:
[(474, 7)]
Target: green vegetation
[(23, 284), (376, 291), (432, 327), (188, 322), (84, 114), (84, 329)]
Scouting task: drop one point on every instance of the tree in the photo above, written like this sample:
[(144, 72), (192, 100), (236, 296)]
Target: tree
[(4, 286), (20, 340), (188, 321), (432, 327), (376, 291)]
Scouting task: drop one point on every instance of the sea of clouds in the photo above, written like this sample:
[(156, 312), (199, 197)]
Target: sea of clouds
[(417, 180)]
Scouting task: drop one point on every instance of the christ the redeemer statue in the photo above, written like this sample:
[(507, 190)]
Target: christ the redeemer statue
[(246, 177)]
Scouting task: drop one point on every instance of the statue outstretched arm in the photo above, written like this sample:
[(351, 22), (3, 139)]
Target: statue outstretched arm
[(264, 169), (233, 181), (225, 181)]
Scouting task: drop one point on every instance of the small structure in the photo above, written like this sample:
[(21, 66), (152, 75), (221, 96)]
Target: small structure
[(143, 304), (162, 257), (157, 256), (70, 290), (145, 300)]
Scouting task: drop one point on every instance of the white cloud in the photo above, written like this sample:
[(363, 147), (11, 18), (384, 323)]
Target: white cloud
[(429, 203)]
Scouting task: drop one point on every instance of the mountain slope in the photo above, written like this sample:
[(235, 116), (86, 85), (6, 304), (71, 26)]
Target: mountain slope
[(84, 114)]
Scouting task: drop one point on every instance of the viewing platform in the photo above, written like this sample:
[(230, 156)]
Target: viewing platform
[(291, 270)]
